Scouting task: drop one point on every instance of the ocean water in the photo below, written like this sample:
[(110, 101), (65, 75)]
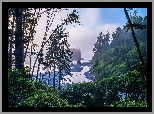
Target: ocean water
[(81, 73)]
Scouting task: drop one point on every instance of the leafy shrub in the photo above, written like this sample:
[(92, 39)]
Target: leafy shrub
[(133, 83), (23, 92), (92, 94), (106, 91), (129, 103), (19, 88), (45, 99), (86, 93)]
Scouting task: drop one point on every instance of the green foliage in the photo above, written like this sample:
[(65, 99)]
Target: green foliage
[(22, 92), (129, 103), (104, 93), (138, 22), (133, 83), (92, 94), (111, 89), (120, 55), (81, 92), (44, 99), (19, 88)]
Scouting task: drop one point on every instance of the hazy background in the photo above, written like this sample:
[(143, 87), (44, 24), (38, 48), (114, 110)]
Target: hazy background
[(95, 20)]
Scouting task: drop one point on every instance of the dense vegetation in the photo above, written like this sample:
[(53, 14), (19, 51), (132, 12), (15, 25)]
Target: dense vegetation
[(23, 93), (117, 69)]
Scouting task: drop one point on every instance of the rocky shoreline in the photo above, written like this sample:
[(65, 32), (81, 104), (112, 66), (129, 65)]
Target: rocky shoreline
[(75, 69)]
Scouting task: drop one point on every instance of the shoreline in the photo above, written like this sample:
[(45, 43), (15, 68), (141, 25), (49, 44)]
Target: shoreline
[(76, 69)]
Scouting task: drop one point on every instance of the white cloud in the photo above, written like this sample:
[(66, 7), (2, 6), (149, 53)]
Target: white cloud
[(82, 37), (90, 16)]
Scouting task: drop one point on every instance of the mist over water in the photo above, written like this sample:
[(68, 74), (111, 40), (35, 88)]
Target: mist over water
[(80, 74)]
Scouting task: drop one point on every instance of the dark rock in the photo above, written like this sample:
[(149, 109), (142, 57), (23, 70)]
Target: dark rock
[(78, 62)]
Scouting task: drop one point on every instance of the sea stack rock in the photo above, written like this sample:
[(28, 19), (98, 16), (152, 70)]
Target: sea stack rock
[(78, 62), (76, 53)]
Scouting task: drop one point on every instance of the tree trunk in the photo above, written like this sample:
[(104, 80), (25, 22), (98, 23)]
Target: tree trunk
[(10, 44), (10, 54), (134, 37), (60, 75), (54, 77), (19, 58)]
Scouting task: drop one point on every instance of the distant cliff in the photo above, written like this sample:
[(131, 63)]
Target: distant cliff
[(76, 54)]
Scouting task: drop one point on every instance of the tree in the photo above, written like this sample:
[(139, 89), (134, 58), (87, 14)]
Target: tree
[(134, 37), (59, 54), (100, 42), (118, 36), (21, 29), (21, 25), (121, 54), (24, 32), (19, 40), (101, 45), (64, 63)]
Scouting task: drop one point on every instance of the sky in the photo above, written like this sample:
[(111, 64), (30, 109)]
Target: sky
[(95, 20)]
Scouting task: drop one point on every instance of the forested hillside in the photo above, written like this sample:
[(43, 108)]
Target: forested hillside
[(120, 55)]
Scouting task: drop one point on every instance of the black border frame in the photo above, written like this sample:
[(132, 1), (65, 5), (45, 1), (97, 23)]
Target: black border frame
[(6, 5)]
